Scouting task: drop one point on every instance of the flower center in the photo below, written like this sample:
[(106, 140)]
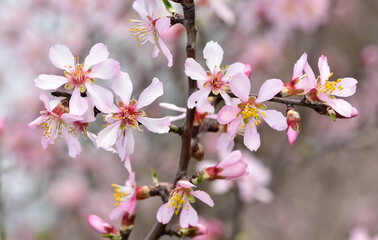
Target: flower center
[(251, 109), (78, 76), (143, 30), (331, 86), (52, 123), (121, 193), (177, 200), (216, 82), (129, 115)]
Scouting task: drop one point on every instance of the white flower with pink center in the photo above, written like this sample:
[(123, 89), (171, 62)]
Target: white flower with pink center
[(128, 115), (216, 80), (324, 90), (80, 77), (180, 198), (251, 110), (149, 29), (55, 123)]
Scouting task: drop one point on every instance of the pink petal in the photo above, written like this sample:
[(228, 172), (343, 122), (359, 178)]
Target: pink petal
[(324, 70), (166, 52), (165, 213), (195, 71), (235, 171), (226, 98), (348, 85), (248, 70), (200, 98), (185, 184), (240, 86), (156, 125), (123, 87), (343, 108), (69, 118), (188, 216), (310, 75), (152, 7), (299, 66), (274, 119), (45, 99), (227, 114), (97, 223), (102, 98), (269, 89), (151, 93), (292, 135), (49, 82), (251, 136), (61, 57), (72, 144), (162, 25), (125, 144), (233, 127), (232, 158), (213, 53), (97, 54), (203, 196), (37, 121), (108, 136), (140, 7), (117, 212), (106, 69), (234, 69), (224, 143), (78, 104)]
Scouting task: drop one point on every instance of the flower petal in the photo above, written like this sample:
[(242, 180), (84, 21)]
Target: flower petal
[(61, 57), (203, 196), (108, 136), (188, 216), (156, 125), (165, 213), (123, 87), (213, 53), (199, 98), (324, 70), (106, 69), (233, 127), (343, 108), (102, 98), (310, 75), (195, 71), (116, 212), (274, 119), (348, 87), (299, 66), (166, 52), (152, 7), (45, 99), (234, 69), (37, 121), (227, 114), (292, 135), (226, 98), (49, 82), (251, 137), (151, 93), (269, 89), (98, 53), (185, 184), (240, 86), (72, 144), (172, 107), (140, 7), (162, 24), (78, 104)]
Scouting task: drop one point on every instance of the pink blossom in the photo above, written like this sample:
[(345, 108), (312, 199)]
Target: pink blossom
[(100, 226), (216, 80), (293, 125), (55, 124), (324, 90), (150, 29), (299, 84), (80, 77), (181, 197), (125, 196), (251, 110), (128, 115), (230, 168)]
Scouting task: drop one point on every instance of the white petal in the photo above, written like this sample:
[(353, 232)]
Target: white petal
[(61, 57), (156, 125), (213, 53), (274, 119), (151, 93), (172, 107), (324, 70), (105, 70), (123, 87), (50, 82), (97, 54), (140, 7), (203, 196), (165, 213), (240, 86), (348, 87), (102, 98), (78, 104), (108, 136), (234, 69), (269, 89), (200, 98), (251, 137), (195, 71), (72, 143), (188, 216), (166, 52)]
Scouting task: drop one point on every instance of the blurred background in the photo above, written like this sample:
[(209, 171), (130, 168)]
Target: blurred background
[(323, 187)]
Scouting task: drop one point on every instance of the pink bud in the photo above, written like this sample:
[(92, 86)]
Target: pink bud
[(100, 226), (293, 125), (232, 167)]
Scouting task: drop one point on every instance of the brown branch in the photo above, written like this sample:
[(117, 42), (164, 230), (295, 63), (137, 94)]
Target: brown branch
[(187, 130)]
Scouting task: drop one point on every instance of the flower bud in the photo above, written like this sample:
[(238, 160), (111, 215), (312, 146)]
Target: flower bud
[(142, 192), (100, 226), (293, 125), (191, 231)]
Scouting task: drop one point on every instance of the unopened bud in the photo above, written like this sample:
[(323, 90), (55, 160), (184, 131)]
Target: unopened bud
[(191, 231), (100, 226), (142, 192), (293, 124)]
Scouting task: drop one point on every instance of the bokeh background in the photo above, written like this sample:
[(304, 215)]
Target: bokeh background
[(324, 186)]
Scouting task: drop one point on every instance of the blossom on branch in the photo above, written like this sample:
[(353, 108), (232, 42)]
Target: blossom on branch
[(128, 115), (216, 80), (324, 90), (293, 125), (149, 29), (80, 77), (249, 111), (181, 197)]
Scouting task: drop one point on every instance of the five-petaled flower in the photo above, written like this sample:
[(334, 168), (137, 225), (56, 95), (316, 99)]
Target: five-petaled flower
[(55, 123), (181, 197), (216, 80), (249, 112), (324, 90), (128, 115), (80, 77), (149, 29)]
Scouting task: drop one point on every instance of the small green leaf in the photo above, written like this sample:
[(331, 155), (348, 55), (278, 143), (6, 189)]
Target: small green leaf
[(169, 7), (191, 198)]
